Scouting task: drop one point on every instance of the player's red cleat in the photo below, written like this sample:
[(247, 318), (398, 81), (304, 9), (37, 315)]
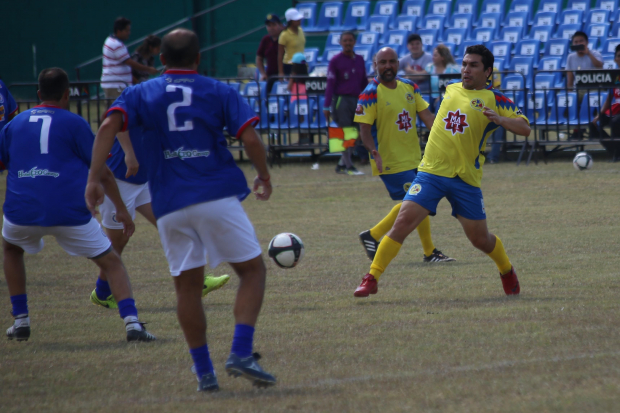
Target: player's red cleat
[(510, 282), (368, 286)]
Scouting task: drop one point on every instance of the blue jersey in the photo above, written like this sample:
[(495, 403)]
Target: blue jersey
[(47, 151), (7, 105), (116, 161), (182, 115)]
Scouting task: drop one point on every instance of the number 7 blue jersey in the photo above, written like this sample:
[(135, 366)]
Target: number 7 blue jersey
[(182, 115), (47, 151)]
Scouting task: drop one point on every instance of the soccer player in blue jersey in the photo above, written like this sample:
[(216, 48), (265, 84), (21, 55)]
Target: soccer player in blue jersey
[(47, 151), (196, 190), (8, 107)]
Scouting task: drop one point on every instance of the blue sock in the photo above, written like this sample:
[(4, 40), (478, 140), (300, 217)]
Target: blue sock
[(20, 304), (103, 289), (202, 361), (242, 340), (127, 307)]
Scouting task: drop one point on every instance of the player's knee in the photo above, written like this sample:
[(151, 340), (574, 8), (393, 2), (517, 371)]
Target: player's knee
[(11, 248), (480, 241), (252, 268)]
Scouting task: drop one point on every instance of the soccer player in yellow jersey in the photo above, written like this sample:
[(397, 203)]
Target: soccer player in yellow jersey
[(452, 167), (386, 112)]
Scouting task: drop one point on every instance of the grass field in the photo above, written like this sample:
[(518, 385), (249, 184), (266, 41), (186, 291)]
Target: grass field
[(436, 338)]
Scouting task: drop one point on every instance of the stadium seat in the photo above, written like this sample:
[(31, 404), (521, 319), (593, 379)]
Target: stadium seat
[(387, 8), (590, 106), (276, 109), (356, 16), (494, 6), (498, 64), (524, 65), (615, 30), (462, 21), (489, 21), (615, 16), (300, 114), (458, 61), (526, 6), (319, 120), (463, 46), (564, 109), (330, 16), (609, 62), (611, 5), (330, 52), (598, 16), (428, 36), (529, 48), (513, 88), (451, 47), (550, 63), (537, 106), (554, 6), (408, 23), (235, 85), (501, 49), (541, 33), (370, 70), (557, 48), (369, 39), (543, 81), (379, 24), (517, 19), (398, 37), (467, 7), (583, 5), (566, 31), (364, 51), (594, 43), (483, 34), (510, 34), (279, 89), (415, 8), (399, 48), (308, 23), (333, 39), (312, 57), (434, 21), (545, 18), (597, 30), (320, 70), (571, 17), (609, 45), (440, 8), (251, 89), (455, 36)]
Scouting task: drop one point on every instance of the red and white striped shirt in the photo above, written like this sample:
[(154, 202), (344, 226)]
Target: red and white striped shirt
[(115, 74)]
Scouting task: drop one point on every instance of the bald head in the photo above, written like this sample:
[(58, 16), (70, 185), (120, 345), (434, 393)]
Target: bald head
[(386, 53), (180, 48), (387, 65)]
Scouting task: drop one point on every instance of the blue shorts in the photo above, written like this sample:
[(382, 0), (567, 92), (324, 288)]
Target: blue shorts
[(398, 184), (466, 200)]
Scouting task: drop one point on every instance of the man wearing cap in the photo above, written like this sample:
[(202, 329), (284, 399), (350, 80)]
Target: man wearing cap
[(291, 41), (268, 50)]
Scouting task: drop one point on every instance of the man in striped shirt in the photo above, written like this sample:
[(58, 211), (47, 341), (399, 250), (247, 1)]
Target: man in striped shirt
[(117, 64)]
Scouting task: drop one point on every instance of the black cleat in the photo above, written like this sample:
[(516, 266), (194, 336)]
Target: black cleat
[(438, 256), (249, 369), (208, 383), (18, 333), (370, 244), (140, 335)]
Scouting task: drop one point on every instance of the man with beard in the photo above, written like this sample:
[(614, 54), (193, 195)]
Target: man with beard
[(386, 112)]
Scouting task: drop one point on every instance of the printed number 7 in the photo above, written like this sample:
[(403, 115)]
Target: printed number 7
[(45, 130), (187, 101)]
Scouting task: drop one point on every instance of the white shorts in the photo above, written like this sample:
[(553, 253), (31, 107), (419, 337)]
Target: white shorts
[(219, 230), (84, 240), (133, 196)]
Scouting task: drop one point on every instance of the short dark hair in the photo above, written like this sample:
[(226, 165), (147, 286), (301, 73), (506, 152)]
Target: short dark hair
[(180, 48), (487, 57), (412, 37), (150, 41), (348, 32), (579, 33), (121, 23), (53, 83)]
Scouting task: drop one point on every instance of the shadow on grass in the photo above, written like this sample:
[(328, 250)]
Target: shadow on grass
[(96, 346)]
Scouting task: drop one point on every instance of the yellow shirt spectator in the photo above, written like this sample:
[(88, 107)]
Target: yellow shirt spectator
[(293, 43)]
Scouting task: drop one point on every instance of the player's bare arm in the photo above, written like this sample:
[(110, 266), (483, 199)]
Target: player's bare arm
[(427, 117), (255, 150), (514, 125), (369, 144), (130, 156), (111, 190)]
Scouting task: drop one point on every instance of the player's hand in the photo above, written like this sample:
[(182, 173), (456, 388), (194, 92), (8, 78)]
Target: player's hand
[(326, 113), (378, 160), (94, 196), (132, 165), (266, 188), (123, 217), (492, 116)]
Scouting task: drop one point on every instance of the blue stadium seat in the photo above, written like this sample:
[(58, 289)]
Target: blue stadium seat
[(451, 46), (498, 64), (379, 24), (551, 5), (308, 23), (312, 57), (463, 46), (330, 16), (489, 21), (300, 114), (594, 43), (570, 16), (428, 36), (466, 7), (483, 34), (615, 30), (583, 5), (251, 89), (564, 110), (455, 36), (611, 5), (609, 62), (494, 6), (414, 8), (510, 34), (458, 61), (566, 31), (280, 89), (364, 51), (545, 18), (396, 37), (609, 45), (319, 120), (526, 6), (333, 39), (557, 48), (538, 105), (529, 48), (462, 21), (591, 106), (511, 86), (369, 39), (597, 30), (330, 52), (542, 33), (598, 16), (517, 19), (388, 8), (615, 16), (543, 81), (524, 65), (356, 16), (501, 49), (441, 8), (409, 23), (399, 48), (550, 63), (234, 85), (276, 112), (370, 70), (434, 21)]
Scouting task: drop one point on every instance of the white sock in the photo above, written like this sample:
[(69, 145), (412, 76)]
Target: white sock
[(131, 323)]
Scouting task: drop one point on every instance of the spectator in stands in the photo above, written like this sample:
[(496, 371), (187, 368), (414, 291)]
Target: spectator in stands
[(297, 87), (582, 59), (443, 63), (117, 64), (291, 41), (145, 55), (415, 63), (610, 115), (346, 80), (268, 51)]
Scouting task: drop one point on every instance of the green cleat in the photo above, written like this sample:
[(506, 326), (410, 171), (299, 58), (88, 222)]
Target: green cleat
[(212, 283), (110, 302)]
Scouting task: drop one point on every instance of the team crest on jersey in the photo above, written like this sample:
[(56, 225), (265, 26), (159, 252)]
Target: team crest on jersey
[(359, 110), (409, 97), (415, 189), (477, 104), (404, 121), (456, 122), (407, 186)]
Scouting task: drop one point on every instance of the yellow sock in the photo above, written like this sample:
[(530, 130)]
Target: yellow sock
[(386, 223), (424, 231), (388, 249), (499, 256)]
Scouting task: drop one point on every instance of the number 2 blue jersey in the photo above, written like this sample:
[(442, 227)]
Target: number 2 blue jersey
[(182, 115), (116, 162), (47, 151)]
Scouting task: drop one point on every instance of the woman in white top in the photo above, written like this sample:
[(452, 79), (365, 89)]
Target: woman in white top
[(443, 63)]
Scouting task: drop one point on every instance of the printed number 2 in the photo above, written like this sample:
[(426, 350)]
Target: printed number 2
[(45, 130), (187, 100)]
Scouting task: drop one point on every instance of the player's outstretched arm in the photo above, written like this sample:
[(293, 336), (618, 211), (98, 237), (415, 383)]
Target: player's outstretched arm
[(255, 150), (427, 117), (131, 162), (369, 144), (111, 190), (518, 126)]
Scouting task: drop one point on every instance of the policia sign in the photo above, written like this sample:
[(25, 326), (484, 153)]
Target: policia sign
[(597, 78)]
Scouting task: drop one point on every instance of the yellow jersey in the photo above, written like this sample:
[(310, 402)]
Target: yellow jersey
[(458, 136), (293, 43), (392, 114)]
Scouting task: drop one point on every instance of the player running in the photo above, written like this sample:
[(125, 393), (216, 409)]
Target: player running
[(452, 168), (47, 151), (386, 112), (196, 189)]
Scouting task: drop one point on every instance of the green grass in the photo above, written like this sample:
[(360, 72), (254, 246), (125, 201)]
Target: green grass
[(436, 338)]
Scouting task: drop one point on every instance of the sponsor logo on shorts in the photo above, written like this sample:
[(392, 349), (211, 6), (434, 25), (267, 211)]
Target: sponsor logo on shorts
[(483, 210), (359, 110), (114, 217), (477, 104), (415, 189), (34, 173), (186, 153)]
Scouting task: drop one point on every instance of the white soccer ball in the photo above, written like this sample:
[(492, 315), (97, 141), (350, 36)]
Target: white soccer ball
[(286, 250), (582, 161)]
